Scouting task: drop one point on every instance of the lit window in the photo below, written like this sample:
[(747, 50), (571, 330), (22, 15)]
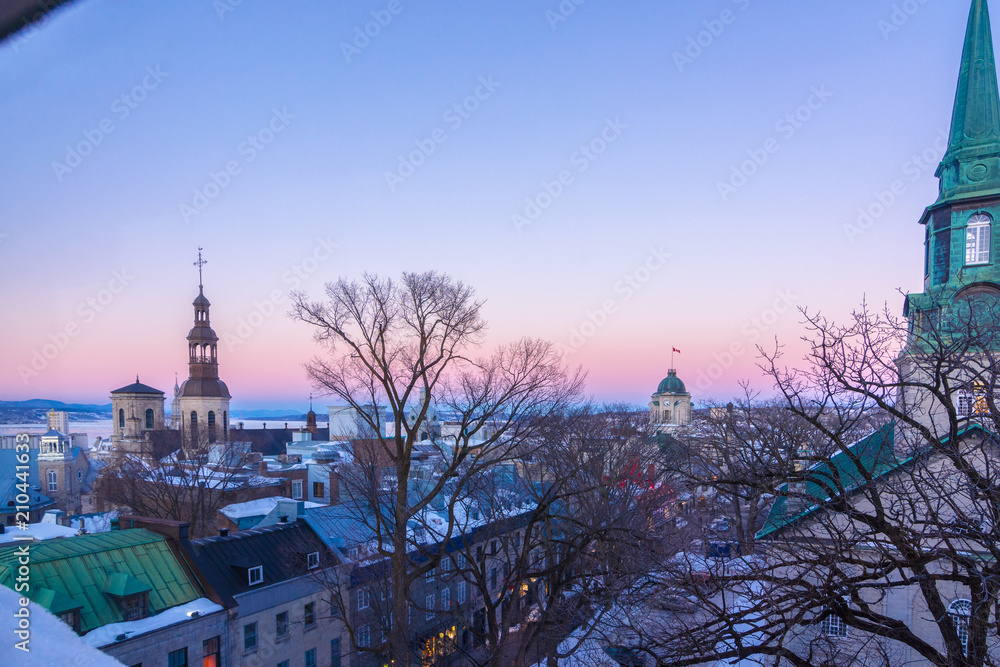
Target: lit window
[(964, 403), (211, 652), (960, 611), (312, 560), (833, 626), (255, 575), (977, 240)]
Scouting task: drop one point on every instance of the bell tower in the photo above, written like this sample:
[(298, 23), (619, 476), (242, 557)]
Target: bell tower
[(961, 263), (203, 399)]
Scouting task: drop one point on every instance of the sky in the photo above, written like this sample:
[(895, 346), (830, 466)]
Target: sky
[(619, 178)]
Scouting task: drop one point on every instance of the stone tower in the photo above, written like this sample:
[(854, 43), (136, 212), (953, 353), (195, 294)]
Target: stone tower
[(961, 271), (670, 405), (136, 408), (203, 399)]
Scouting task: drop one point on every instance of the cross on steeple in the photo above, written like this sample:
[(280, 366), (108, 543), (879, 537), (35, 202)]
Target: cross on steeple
[(200, 263)]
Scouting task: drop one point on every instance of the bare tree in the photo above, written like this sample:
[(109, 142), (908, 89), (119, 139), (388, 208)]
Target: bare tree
[(879, 550), (398, 351)]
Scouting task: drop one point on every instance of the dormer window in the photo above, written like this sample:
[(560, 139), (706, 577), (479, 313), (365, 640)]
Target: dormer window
[(255, 575), (135, 607), (977, 240), (312, 560)]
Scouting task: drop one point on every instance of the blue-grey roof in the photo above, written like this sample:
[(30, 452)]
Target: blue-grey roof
[(9, 482), (339, 526)]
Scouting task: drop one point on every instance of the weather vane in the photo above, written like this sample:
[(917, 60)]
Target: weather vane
[(200, 263)]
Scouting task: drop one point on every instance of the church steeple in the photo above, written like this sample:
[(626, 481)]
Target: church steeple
[(971, 166)]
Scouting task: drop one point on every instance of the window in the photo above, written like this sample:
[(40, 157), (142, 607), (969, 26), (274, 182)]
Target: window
[(517, 541), (135, 607), (194, 420), (79, 475), (334, 653), (445, 565), (281, 624), (310, 614), (121, 418), (494, 548), (312, 560), (149, 419), (178, 658), (461, 592), (211, 426), (493, 578), (296, 490), (431, 574), (364, 599), (72, 619), (318, 490), (479, 555), (255, 575), (53, 480), (833, 626), (364, 637), (960, 611), (311, 658), (462, 561), (250, 637), (210, 650), (285, 663), (446, 599), (429, 611), (977, 240)]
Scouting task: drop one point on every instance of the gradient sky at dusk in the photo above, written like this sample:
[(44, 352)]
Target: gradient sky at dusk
[(554, 86)]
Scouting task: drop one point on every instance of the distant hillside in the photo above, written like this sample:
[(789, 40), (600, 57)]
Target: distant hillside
[(42, 404), (274, 415)]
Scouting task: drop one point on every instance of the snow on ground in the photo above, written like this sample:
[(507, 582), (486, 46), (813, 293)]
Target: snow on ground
[(51, 643), (36, 531), (106, 634)]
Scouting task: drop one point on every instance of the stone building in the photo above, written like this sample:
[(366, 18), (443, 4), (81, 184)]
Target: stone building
[(670, 404)]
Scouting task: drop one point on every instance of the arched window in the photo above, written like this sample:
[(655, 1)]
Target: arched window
[(211, 426), (960, 611), (149, 418), (977, 239), (194, 420), (121, 418), (225, 426), (53, 480)]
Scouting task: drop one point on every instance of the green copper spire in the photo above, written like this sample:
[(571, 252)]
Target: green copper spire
[(971, 167)]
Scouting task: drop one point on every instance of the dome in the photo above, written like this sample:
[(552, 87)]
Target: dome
[(671, 384), (201, 300)]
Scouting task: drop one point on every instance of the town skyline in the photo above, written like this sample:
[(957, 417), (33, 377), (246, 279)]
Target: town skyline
[(580, 169)]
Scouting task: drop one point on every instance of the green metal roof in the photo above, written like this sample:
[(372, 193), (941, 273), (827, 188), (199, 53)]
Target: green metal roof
[(969, 168), (55, 601), (92, 570), (877, 456), (671, 384)]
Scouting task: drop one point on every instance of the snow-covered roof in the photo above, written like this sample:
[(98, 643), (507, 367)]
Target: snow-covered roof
[(259, 507), (37, 532), (107, 634), (52, 642)]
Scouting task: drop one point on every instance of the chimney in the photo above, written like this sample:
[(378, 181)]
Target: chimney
[(283, 519), (223, 532)]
